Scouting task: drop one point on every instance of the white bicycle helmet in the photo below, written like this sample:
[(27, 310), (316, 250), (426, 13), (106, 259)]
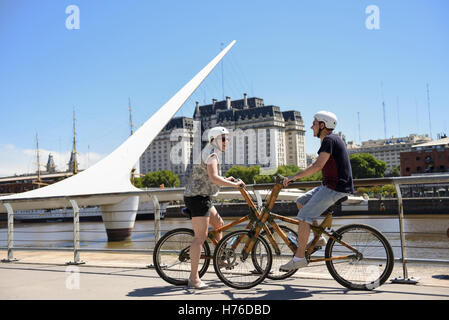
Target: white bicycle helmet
[(215, 132), (329, 118)]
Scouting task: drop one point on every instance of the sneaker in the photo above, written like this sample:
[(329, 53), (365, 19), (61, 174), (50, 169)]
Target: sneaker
[(200, 285), (291, 265), (320, 243)]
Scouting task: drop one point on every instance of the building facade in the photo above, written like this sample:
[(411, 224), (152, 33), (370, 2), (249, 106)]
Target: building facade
[(167, 153), (388, 150), (27, 182), (260, 135), (22, 183), (426, 158)]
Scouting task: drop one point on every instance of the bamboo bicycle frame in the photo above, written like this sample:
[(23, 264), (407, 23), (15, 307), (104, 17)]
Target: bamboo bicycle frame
[(266, 216), (259, 220)]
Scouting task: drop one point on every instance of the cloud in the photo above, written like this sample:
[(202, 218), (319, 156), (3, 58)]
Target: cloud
[(18, 161)]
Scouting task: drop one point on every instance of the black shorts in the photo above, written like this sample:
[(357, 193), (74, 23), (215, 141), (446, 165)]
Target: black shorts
[(198, 205)]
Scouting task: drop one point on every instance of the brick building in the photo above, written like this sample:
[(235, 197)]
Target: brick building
[(429, 157)]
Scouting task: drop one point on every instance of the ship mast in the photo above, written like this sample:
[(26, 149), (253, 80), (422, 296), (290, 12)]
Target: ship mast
[(73, 159), (39, 182)]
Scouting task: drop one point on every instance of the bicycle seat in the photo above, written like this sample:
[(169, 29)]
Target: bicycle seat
[(341, 201), (332, 207), (186, 213)]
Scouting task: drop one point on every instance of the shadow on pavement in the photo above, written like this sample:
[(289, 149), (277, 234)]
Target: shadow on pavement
[(219, 291)]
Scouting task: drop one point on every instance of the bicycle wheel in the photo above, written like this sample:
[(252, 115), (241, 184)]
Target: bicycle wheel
[(234, 267), (281, 256), (366, 268), (171, 256)]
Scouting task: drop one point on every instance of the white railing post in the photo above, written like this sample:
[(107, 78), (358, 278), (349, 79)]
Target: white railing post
[(405, 279), (76, 234), (157, 221), (157, 218), (10, 233), (259, 199)]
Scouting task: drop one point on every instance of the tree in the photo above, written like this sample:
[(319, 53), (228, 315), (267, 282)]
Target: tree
[(364, 165), (289, 170), (251, 175), (395, 171), (247, 174), (156, 179)]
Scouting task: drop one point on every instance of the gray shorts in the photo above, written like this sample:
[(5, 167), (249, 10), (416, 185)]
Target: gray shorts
[(316, 201)]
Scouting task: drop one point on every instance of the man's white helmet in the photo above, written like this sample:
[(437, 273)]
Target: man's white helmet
[(215, 132), (329, 118)]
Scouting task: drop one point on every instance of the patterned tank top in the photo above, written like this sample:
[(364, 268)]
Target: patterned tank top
[(199, 183)]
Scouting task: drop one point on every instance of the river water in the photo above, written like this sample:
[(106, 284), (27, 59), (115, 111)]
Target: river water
[(426, 236)]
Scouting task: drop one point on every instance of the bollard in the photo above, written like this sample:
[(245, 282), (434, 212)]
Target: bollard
[(405, 279), (76, 235), (10, 233)]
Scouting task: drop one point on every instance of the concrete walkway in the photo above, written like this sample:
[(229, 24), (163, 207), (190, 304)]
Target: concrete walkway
[(117, 276)]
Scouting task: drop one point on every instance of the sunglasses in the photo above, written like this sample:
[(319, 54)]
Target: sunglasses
[(224, 139)]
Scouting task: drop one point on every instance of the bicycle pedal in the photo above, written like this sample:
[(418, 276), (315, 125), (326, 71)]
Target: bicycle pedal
[(227, 265), (231, 267), (315, 250)]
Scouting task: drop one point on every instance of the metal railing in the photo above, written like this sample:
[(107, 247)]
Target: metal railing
[(177, 193)]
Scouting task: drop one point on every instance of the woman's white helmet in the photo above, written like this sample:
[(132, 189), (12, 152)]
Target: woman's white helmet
[(214, 132), (329, 118)]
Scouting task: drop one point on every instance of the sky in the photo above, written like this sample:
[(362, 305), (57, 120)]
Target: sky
[(308, 56)]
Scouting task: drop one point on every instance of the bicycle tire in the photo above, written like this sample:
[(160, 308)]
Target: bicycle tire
[(279, 258), (236, 270), (171, 258), (366, 271)]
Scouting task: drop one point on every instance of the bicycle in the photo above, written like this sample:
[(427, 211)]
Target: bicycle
[(358, 256), (171, 257)]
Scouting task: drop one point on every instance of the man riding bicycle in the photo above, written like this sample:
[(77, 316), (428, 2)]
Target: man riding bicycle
[(333, 161)]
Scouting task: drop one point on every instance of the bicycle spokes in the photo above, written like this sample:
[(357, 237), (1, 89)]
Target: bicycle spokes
[(235, 266), (361, 259)]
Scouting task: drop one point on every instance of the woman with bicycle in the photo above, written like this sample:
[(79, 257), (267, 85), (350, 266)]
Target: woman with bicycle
[(204, 183)]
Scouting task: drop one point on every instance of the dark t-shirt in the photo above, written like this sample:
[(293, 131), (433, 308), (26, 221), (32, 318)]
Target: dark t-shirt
[(337, 172)]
